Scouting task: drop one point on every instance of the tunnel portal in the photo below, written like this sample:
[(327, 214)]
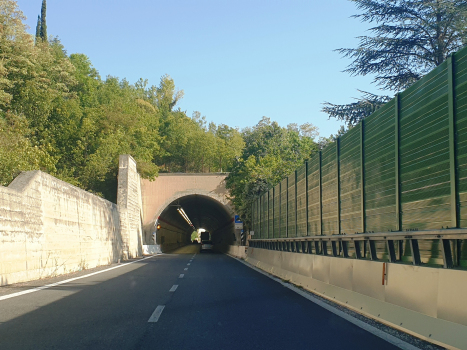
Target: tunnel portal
[(204, 199)]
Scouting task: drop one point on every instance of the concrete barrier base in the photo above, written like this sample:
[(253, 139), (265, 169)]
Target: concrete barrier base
[(152, 249), (237, 251)]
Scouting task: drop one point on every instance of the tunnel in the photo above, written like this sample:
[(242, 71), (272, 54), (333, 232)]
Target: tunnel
[(174, 229)]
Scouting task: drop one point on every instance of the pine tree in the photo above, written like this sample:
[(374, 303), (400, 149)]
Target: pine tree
[(411, 37), (43, 30), (38, 28)]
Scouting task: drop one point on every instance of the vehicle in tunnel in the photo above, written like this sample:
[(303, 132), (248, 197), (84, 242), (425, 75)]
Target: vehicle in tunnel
[(205, 236), (206, 246)]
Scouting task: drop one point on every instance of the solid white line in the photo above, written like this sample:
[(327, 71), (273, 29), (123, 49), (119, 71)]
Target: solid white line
[(156, 314), (186, 268), (181, 275), (66, 281), (365, 326), (174, 288)]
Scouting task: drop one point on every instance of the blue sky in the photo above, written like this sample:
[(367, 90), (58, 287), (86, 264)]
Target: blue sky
[(236, 60)]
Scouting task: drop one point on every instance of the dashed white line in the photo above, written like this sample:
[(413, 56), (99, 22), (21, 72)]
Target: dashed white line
[(188, 264), (186, 268), (181, 275), (174, 288), (156, 314)]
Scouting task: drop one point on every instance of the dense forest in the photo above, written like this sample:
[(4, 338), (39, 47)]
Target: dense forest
[(58, 115)]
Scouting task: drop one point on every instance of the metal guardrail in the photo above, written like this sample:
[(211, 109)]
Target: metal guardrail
[(364, 244)]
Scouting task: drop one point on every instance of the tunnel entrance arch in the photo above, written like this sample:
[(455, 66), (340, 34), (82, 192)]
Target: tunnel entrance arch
[(203, 198)]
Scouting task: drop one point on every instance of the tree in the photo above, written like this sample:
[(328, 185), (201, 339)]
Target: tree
[(271, 153), (353, 112), (411, 37), (43, 30), (38, 28)]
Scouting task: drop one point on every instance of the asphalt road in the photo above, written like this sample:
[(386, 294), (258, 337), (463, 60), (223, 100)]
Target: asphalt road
[(219, 303)]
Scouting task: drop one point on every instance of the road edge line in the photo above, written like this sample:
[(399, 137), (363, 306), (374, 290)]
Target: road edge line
[(365, 326), (47, 286)]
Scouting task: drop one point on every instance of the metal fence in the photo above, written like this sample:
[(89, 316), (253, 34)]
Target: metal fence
[(402, 169)]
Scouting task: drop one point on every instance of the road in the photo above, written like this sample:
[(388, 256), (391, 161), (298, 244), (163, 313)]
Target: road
[(219, 303)]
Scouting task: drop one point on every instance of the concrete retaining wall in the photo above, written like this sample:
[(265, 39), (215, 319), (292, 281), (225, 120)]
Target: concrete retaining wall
[(427, 302), (49, 227)]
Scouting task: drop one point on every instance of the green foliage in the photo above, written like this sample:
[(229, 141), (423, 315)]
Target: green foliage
[(58, 115), (271, 152), (38, 28), (353, 112), (409, 39)]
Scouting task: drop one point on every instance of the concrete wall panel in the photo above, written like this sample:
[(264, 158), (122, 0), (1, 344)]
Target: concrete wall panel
[(452, 292), (298, 263), (367, 278), (413, 287), (321, 268), (341, 273)]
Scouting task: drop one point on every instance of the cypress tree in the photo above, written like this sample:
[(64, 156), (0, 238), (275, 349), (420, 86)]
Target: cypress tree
[(43, 30), (38, 28)]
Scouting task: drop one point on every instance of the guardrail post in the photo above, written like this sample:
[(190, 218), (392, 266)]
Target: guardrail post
[(334, 248), (452, 143), (358, 251), (391, 251), (317, 247), (324, 246), (447, 253), (415, 252), (373, 254), (345, 249)]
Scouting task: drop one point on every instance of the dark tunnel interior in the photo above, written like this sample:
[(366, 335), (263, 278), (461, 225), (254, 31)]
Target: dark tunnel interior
[(203, 212)]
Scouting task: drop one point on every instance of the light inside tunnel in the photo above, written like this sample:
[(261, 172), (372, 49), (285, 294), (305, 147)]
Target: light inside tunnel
[(186, 214), (183, 214)]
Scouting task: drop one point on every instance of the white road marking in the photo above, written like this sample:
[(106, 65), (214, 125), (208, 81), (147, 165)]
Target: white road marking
[(188, 264), (181, 275), (174, 288), (186, 268), (156, 314), (66, 281), (365, 326)]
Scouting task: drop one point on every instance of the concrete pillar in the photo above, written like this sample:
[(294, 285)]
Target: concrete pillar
[(129, 205)]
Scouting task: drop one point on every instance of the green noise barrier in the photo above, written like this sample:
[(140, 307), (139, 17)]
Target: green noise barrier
[(393, 188)]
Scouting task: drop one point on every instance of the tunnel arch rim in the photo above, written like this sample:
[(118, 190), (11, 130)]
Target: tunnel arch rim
[(222, 200)]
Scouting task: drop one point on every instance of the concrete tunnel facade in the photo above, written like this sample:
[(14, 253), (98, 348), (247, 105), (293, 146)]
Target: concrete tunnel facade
[(204, 199)]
